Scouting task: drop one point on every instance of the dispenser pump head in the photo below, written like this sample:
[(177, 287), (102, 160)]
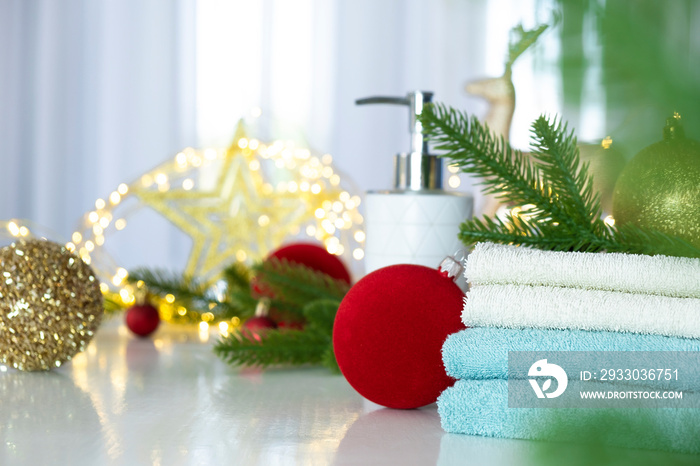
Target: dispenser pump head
[(418, 169)]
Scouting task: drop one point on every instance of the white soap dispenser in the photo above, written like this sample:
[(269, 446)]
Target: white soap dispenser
[(416, 222)]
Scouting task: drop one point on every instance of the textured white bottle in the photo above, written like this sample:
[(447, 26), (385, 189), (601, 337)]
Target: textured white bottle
[(413, 227)]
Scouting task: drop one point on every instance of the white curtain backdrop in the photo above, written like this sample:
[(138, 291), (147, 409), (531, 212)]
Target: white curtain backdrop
[(95, 92)]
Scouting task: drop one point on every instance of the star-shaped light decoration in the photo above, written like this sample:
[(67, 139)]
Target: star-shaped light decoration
[(239, 217), (236, 204)]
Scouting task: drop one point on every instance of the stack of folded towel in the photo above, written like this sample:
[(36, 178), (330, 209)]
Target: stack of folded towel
[(521, 299)]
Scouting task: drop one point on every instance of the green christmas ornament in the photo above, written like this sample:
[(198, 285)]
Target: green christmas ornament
[(659, 188)]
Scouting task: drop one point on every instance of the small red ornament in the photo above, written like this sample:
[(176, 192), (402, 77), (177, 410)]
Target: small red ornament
[(142, 319), (389, 331), (314, 257), (256, 327)]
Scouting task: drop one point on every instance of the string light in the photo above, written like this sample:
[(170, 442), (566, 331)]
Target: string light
[(325, 211)]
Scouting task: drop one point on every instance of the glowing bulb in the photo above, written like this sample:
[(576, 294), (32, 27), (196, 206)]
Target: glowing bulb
[(93, 217), (146, 180), (203, 332), (124, 294), (609, 221), (76, 237), (320, 213), (122, 189), (242, 143), (120, 224), (329, 227), (210, 154), (181, 160), (100, 204), (358, 254), (263, 220), (454, 181), (187, 184), (115, 198), (161, 178)]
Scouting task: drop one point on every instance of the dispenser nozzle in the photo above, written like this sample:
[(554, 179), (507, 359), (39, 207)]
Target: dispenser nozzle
[(415, 101), (418, 169)]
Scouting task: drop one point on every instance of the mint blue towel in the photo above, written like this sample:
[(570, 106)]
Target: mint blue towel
[(480, 407), (482, 352)]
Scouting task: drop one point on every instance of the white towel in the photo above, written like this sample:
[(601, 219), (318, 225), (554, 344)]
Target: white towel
[(493, 264), (522, 306)]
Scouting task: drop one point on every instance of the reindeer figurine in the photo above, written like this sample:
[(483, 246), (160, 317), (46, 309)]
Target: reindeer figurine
[(500, 94)]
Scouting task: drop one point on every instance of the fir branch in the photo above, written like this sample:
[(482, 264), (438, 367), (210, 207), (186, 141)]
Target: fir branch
[(237, 276), (293, 347), (557, 158), (320, 315), (111, 305), (191, 292), (633, 239), (559, 208), (163, 282), (504, 171), (513, 231), (293, 283), (329, 361)]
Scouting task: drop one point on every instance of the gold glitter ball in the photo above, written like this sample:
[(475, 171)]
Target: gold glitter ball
[(659, 188), (50, 305)]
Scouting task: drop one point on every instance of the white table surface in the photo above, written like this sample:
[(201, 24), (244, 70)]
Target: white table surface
[(168, 400)]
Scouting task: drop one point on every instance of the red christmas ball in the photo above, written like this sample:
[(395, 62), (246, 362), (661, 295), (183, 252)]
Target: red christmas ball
[(142, 319), (389, 331), (314, 257), (255, 328)]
